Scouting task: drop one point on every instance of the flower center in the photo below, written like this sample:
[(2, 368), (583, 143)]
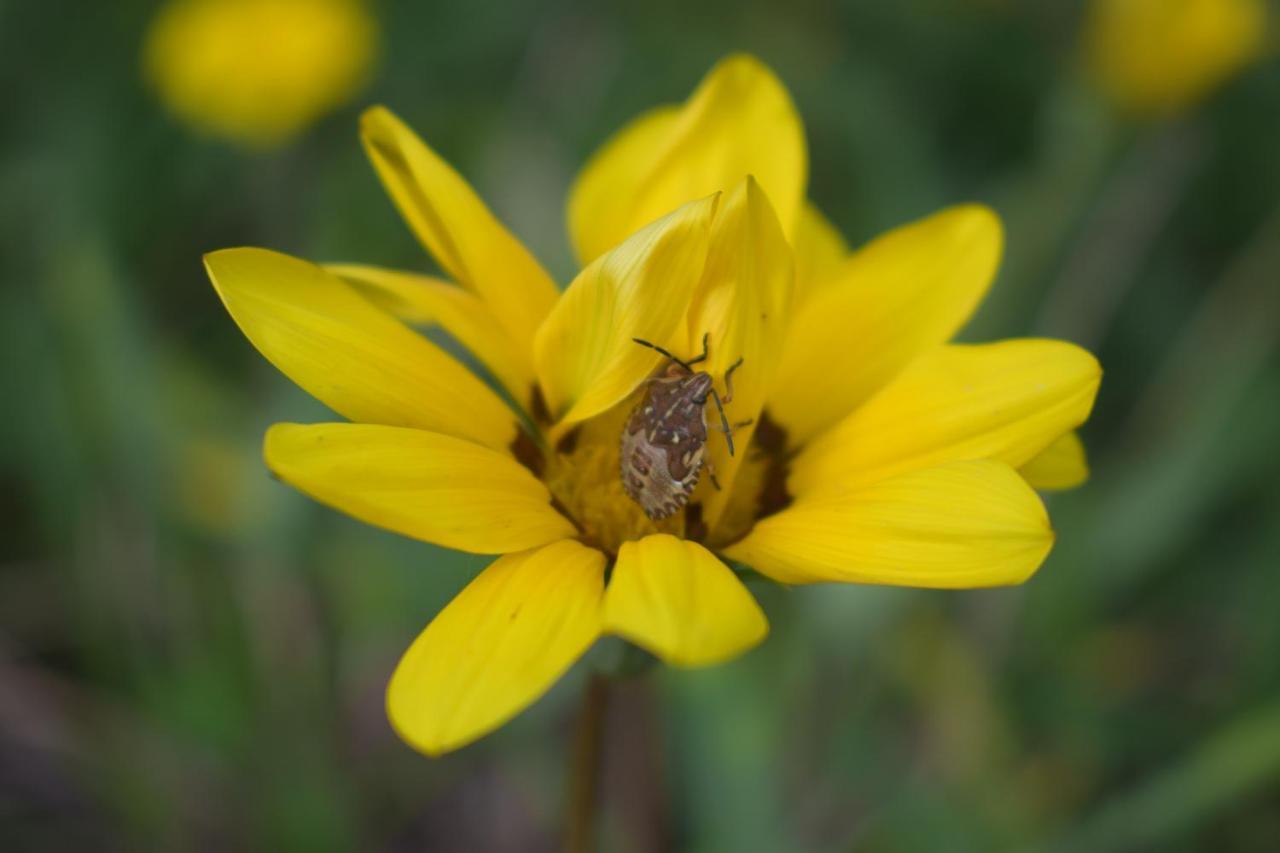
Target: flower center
[(583, 473)]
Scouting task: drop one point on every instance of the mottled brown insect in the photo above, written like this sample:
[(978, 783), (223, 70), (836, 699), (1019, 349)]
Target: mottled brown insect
[(664, 441)]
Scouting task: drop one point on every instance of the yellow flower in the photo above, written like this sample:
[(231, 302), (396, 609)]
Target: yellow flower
[(1157, 57), (877, 453), (258, 71)]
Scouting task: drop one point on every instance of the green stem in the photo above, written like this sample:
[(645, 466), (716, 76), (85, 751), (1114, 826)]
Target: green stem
[(580, 833)]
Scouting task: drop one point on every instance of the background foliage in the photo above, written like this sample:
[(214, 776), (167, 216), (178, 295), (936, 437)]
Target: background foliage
[(193, 656)]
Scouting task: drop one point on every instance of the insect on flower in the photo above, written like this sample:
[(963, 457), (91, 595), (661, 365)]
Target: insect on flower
[(664, 441), (913, 467)]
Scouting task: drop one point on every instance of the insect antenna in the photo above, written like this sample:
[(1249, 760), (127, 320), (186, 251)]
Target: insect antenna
[(679, 361)]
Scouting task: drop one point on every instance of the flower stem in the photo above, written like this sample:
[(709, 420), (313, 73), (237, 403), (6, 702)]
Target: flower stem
[(580, 834)]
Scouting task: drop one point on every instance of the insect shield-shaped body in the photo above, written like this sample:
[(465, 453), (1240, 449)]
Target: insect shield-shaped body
[(664, 441)]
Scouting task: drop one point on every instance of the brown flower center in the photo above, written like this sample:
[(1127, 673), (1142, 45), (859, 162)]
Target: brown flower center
[(583, 473)]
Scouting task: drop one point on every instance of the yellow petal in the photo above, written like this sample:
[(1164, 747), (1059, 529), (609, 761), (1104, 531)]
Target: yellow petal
[(584, 354), (1156, 57), (600, 211), (964, 524), (348, 354), (424, 485), (1062, 465), (819, 250), (425, 300), (498, 646), (676, 599), (464, 237), (740, 121), (258, 72), (742, 305), (905, 292), (1006, 401)]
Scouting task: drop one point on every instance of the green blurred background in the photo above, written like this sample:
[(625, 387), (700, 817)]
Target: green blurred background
[(192, 656)]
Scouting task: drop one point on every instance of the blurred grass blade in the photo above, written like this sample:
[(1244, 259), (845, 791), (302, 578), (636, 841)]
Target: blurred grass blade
[(1230, 765)]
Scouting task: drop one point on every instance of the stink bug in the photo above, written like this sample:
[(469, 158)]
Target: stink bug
[(664, 441)]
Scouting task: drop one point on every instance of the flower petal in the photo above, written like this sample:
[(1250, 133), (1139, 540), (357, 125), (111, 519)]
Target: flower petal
[(740, 121), (676, 599), (1060, 466), (743, 306), (348, 354), (584, 353), (258, 73), (902, 294), (498, 646), (964, 524), (1005, 401), (819, 249), (425, 300), (420, 484), (1154, 58), (599, 209), (456, 227)]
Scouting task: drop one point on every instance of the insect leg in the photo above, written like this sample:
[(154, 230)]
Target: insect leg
[(739, 425), (711, 473), (724, 420), (706, 337), (728, 381), (679, 361)]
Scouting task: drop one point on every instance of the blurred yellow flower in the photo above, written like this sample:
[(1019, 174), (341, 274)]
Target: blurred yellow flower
[(1157, 57), (877, 452), (258, 71)]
